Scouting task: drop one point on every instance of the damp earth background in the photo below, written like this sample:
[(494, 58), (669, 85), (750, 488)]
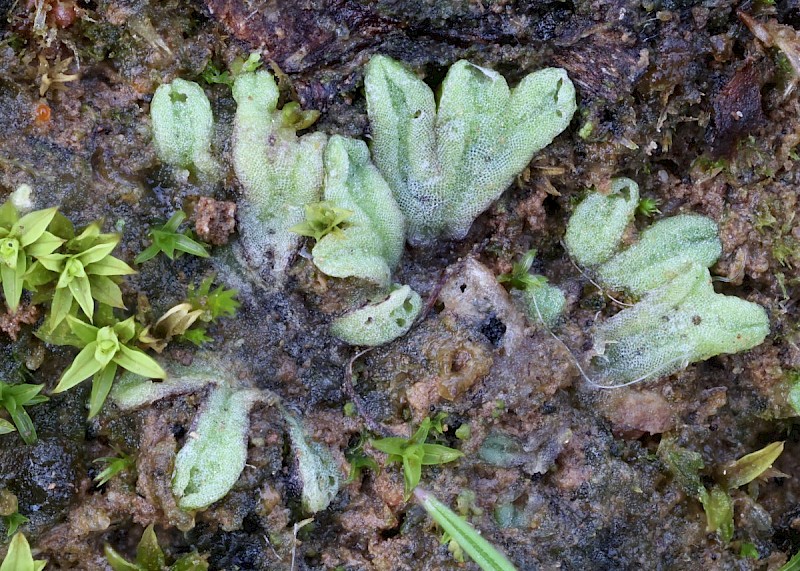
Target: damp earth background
[(677, 95)]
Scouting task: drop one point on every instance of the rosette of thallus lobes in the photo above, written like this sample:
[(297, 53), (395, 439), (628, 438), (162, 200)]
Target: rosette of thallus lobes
[(677, 317)]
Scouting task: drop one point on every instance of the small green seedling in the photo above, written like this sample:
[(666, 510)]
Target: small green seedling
[(171, 242), (183, 321), (751, 466), (150, 557), (322, 219), (9, 510), (648, 207), (279, 172), (458, 529), (14, 398), (114, 465), (212, 73), (520, 276), (414, 453), (371, 244), (85, 272), (379, 323), (22, 239), (359, 461), (748, 551), (19, 556), (718, 506), (447, 158), (104, 350), (183, 126), (216, 303), (13, 521), (542, 302)]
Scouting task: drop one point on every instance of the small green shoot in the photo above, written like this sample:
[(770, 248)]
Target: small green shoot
[(197, 337), (21, 240), (295, 117), (216, 303), (150, 557), (14, 398), (459, 530), (463, 432), (212, 74), (249, 65), (19, 556), (104, 349), (181, 321), (792, 565), (718, 506), (172, 243), (520, 276), (359, 461), (413, 453), (114, 465), (648, 207), (84, 273), (13, 521), (751, 466), (322, 218), (439, 424), (748, 551)]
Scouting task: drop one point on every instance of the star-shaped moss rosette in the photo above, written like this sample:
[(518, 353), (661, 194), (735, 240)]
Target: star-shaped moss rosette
[(22, 239), (84, 272), (104, 350), (14, 398)]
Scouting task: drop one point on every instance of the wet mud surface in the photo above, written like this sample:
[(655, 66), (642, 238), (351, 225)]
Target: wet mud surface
[(677, 95)]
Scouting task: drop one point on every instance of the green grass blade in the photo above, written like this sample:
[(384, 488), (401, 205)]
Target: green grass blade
[(481, 551)]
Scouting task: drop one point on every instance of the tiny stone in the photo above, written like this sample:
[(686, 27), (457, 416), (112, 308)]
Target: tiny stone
[(215, 220)]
